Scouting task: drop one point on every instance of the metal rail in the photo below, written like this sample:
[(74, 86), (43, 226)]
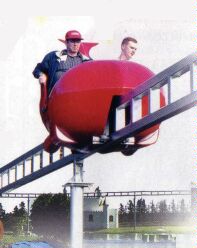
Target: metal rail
[(138, 193), (20, 195), (36, 163), (105, 194)]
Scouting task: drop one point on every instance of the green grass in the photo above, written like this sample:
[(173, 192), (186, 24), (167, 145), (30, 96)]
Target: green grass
[(8, 239), (149, 229)]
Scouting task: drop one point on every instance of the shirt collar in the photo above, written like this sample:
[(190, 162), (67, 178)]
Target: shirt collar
[(64, 52)]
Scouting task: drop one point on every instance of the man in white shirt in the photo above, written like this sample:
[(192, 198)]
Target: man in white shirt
[(128, 48)]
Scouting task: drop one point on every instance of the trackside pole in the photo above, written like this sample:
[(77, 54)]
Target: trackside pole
[(76, 208)]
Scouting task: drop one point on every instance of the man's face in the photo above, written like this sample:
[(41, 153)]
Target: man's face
[(73, 45), (129, 49)]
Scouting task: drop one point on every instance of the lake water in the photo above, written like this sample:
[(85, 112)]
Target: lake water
[(138, 241), (127, 241)]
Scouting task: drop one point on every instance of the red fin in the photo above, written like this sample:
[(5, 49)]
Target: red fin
[(85, 48)]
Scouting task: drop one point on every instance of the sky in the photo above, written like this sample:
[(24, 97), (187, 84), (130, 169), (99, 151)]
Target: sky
[(166, 33)]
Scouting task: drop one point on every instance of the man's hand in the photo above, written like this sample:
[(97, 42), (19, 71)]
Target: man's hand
[(42, 78)]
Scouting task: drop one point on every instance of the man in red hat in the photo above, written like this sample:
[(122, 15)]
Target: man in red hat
[(56, 63)]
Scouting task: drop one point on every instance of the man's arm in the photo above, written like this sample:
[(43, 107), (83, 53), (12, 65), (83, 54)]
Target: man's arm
[(43, 67), (39, 69)]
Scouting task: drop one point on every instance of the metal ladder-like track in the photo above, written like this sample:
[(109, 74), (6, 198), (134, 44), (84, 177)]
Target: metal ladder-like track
[(37, 163), (139, 193)]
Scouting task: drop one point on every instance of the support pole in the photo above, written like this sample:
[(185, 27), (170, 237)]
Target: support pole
[(76, 208), (134, 201), (28, 215)]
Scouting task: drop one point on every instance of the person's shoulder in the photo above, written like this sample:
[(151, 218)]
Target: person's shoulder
[(51, 54), (60, 54)]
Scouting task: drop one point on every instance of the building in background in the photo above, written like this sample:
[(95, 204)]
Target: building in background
[(98, 215)]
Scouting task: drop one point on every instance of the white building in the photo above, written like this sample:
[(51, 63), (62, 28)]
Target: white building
[(98, 215)]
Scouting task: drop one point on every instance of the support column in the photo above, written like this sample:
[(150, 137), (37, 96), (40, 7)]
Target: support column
[(76, 208), (134, 202), (28, 215)]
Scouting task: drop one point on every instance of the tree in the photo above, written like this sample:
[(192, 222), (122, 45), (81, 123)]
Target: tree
[(140, 209), (50, 215), (163, 208), (183, 208), (153, 209), (141, 206), (130, 207), (122, 209), (173, 207), (2, 212), (22, 210), (16, 221), (20, 219)]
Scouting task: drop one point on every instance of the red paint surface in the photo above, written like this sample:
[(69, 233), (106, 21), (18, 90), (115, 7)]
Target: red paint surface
[(80, 102)]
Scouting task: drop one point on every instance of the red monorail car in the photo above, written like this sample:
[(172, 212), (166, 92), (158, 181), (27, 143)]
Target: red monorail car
[(79, 104)]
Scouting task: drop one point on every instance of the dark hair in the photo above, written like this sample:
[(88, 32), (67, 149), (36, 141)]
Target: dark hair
[(127, 39)]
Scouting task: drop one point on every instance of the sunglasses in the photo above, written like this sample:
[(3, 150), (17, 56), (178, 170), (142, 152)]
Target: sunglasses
[(74, 40)]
